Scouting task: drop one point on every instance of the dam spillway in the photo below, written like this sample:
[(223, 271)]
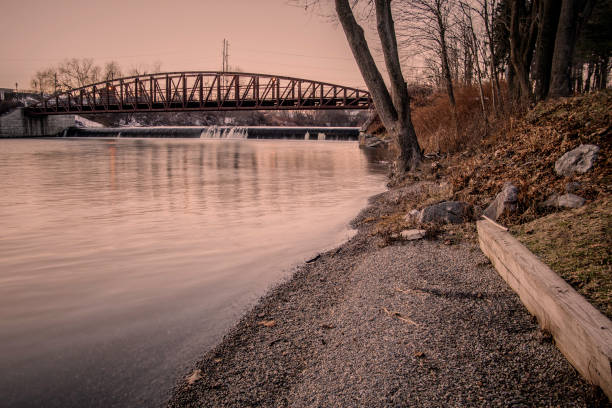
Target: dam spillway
[(222, 132)]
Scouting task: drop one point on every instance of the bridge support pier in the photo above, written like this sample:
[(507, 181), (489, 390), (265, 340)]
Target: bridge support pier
[(17, 124)]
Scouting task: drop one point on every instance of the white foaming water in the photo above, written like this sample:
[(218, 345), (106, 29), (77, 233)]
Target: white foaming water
[(224, 132)]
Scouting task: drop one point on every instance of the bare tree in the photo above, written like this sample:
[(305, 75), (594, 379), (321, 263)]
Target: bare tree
[(475, 49), (145, 69), (427, 22), (486, 11), (393, 104), (523, 30), (75, 73), (112, 70), (44, 80)]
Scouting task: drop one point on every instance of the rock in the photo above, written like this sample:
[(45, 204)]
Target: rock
[(411, 235), (571, 201), (572, 187), (372, 141), (504, 202), (564, 201), (448, 212), (579, 160)]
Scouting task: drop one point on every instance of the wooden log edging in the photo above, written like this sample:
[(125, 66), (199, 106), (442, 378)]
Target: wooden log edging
[(581, 332)]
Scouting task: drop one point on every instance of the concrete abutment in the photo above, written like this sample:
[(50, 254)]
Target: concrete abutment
[(18, 123)]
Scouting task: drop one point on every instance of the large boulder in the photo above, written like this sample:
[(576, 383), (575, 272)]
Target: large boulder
[(579, 160), (564, 201), (448, 212), (505, 202)]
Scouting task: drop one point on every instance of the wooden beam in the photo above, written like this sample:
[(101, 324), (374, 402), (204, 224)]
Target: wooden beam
[(581, 332)]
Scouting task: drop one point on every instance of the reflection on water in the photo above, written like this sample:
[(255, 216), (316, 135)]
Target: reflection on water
[(121, 260)]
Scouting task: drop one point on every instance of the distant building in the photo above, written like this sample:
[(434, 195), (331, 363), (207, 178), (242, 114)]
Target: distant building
[(6, 93)]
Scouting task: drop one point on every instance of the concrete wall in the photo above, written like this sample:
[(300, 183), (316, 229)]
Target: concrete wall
[(17, 124)]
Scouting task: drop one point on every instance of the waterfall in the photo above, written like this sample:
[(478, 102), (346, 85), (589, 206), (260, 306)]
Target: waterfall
[(225, 132)]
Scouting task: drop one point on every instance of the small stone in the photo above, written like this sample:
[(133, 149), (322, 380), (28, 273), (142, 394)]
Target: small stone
[(413, 234), (579, 160), (504, 202)]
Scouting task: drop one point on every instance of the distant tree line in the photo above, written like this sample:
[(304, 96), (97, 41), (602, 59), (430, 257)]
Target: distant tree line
[(77, 72)]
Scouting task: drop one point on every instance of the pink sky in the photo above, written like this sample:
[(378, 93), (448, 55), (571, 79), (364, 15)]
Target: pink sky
[(265, 36)]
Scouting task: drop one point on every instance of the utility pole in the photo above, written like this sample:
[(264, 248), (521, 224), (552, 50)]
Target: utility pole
[(225, 65)]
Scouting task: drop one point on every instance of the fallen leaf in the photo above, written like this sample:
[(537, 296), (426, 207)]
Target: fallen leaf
[(195, 376), (267, 323)]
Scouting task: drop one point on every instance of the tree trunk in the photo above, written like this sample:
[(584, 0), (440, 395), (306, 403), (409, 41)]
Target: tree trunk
[(603, 77), (597, 75), (495, 88), (393, 107), (523, 31), (545, 43), (587, 82), (577, 78), (472, 47), (446, 72), (410, 155), (560, 84), (468, 62)]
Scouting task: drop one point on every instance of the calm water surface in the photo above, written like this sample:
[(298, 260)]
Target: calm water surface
[(123, 260)]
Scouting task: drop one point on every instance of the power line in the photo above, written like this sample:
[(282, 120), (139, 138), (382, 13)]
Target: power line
[(295, 54)]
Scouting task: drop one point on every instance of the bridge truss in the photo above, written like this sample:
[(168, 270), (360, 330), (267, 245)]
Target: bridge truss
[(202, 91)]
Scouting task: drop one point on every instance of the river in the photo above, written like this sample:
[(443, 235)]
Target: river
[(123, 260)]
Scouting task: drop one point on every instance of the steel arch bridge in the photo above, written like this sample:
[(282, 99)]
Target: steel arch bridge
[(202, 91)]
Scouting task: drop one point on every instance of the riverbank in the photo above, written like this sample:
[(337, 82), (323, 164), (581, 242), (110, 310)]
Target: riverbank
[(421, 323)]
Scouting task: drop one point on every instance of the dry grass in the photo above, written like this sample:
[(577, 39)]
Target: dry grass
[(434, 124), (576, 244)]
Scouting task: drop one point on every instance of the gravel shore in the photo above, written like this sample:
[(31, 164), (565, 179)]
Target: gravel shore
[(419, 324)]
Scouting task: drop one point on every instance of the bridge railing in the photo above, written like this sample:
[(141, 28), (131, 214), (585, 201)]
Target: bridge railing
[(204, 91)]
